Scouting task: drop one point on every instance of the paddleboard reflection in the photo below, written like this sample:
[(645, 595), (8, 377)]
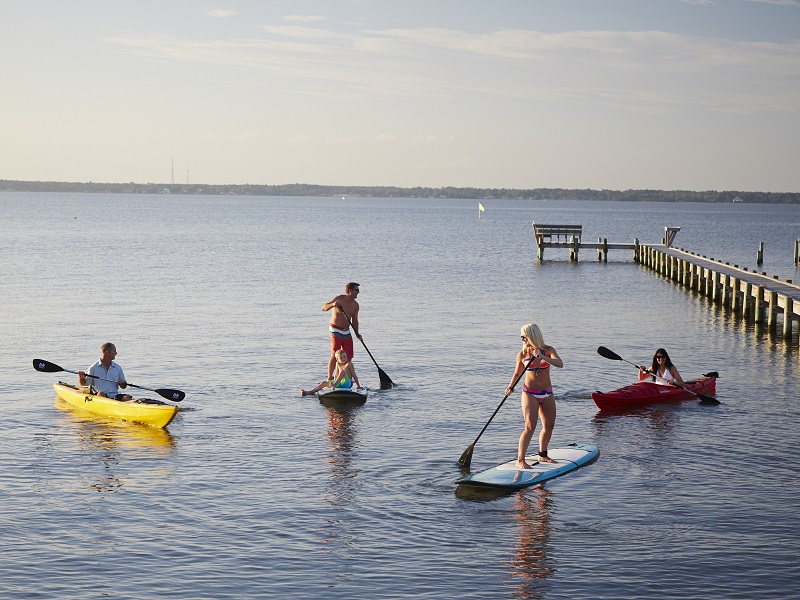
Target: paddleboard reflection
[(341, 435), (531, 564)]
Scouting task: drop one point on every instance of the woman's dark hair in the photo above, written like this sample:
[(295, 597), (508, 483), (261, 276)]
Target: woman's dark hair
[(667, 363)]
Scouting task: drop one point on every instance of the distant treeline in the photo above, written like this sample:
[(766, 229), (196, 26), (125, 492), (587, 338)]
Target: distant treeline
[(305, 189)]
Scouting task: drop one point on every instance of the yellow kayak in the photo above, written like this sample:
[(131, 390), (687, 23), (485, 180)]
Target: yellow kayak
[(150, 412)]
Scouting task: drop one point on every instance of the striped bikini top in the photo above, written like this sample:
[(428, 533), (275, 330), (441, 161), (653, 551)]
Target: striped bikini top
[(543, 365)]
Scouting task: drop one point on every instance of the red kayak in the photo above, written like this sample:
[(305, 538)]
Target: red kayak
[(647, 392)]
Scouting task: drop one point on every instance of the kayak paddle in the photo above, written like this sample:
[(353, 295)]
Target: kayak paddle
[(47, 367), (386, 382), (606, 353), (466, 457)]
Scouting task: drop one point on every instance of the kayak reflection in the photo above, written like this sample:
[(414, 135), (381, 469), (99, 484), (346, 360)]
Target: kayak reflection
[(112, 443), (659, 423)]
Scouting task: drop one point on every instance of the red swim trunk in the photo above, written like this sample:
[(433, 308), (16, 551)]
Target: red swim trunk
[(345, 342)]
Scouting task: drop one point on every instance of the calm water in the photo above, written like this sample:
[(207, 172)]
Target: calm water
[(255, 492)]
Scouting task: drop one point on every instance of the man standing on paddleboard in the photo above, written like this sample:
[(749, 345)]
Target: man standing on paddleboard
[(345, 314)]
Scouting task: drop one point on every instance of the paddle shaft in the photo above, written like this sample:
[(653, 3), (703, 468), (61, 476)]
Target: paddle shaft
[(385, 379), (466, 457), (702, 397), (46, 366)]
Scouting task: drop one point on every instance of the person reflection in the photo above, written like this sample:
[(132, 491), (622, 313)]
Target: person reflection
[(102, 446), (341, 435), (531, 564)]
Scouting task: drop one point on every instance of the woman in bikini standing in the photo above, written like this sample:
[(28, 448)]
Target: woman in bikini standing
[(537, 392)]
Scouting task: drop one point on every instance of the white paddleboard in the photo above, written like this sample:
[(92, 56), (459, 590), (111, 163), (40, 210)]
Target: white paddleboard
[(508, 475)]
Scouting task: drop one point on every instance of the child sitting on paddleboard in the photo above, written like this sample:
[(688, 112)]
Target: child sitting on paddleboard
[(344, 375)]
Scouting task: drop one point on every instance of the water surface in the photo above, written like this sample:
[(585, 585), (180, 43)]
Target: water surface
[(255, 492)]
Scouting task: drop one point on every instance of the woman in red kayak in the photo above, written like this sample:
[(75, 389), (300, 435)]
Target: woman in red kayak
[(537, 392), (662, 371)]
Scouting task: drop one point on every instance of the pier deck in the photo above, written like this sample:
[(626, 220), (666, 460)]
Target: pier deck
[(753, 294), (571, 234)]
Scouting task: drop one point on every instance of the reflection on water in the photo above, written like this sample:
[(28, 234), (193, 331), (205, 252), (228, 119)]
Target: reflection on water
[(659, 422), (110, 442), (479, 493), (343, 485), (531, 564)]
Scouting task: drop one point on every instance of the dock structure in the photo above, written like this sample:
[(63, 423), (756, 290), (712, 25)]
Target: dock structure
[(569, 236), (754, 295)]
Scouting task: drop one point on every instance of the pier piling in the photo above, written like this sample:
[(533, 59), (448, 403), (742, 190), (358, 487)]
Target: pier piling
[(752, 295)]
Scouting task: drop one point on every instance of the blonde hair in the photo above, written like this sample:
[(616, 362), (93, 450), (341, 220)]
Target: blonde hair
[(533, 335), (341, 355)]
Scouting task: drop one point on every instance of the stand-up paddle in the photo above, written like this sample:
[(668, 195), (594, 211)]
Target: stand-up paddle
[(606, 353), (386, 382), (466, 457), (47, 367)]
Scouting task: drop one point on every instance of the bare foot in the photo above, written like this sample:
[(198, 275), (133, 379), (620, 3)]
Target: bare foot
[(521, 464), (303, 392), (545, 459)]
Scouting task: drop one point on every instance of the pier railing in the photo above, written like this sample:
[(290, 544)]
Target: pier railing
[(571, 235), (754, 295)]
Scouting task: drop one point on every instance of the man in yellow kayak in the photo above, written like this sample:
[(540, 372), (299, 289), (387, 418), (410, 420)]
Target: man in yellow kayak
[(106, 375)]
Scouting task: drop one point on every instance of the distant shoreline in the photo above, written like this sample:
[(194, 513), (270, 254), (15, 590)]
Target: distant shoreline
[(305, 189)]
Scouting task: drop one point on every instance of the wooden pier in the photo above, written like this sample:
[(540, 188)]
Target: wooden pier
[(754, 295), (571, 235)]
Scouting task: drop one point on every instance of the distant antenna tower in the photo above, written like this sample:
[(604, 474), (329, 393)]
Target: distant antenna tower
[(173, 170)]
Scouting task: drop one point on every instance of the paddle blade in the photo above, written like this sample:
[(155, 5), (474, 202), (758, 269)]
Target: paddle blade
[(174, 395), (707, 399), (386, 382), (606, 353), (46, 366), (466, 458)]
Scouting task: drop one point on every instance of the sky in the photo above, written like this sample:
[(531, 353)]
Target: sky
[(601, 94)]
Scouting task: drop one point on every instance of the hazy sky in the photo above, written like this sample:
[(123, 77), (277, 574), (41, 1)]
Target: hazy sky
[(616, 94)]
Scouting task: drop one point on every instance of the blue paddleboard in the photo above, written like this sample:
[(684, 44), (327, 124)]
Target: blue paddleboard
[(509, 476)]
